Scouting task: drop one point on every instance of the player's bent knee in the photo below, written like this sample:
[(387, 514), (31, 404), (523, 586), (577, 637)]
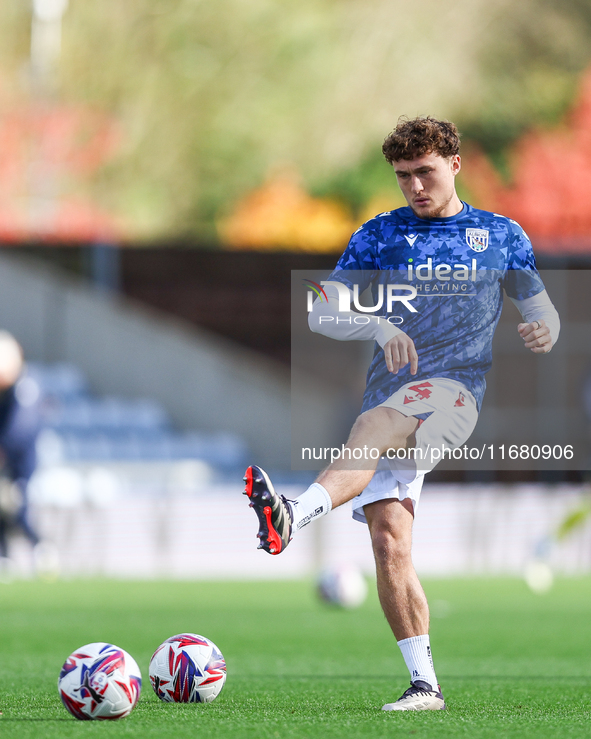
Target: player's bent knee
[(390, 546), (364, 425), (390, 526)]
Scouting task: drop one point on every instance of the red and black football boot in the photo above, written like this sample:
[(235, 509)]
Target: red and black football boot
[(273, 511)]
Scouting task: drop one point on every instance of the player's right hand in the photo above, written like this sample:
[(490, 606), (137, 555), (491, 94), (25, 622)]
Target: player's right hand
[(400, 351)]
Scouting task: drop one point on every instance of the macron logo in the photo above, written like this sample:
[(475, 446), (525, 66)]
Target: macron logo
[(411, 239)]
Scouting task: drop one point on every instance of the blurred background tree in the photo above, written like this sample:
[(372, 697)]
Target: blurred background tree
[(211, 97), (528, 71)]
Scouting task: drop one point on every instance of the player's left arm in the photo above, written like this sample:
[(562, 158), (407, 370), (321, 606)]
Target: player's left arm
[(524, 286), (542, 322)]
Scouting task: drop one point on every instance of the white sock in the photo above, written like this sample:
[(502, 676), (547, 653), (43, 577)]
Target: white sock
[(417, 654), (315, 502)]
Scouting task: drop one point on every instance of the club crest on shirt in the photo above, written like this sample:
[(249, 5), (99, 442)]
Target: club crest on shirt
[(477, 238)]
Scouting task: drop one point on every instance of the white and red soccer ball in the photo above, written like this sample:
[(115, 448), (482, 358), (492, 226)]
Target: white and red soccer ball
[(100, 681), (187, 668)]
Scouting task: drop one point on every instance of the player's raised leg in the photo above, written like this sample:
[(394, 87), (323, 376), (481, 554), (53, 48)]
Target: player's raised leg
[(403, 601), (378, 429), (341, 481)]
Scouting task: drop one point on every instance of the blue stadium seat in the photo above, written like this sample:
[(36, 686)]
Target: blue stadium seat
[(115, 429)]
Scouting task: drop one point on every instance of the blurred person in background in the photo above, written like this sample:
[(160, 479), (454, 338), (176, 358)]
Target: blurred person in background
[(19, 428)]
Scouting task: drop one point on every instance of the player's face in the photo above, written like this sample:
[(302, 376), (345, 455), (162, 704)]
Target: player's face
[(428, 184)]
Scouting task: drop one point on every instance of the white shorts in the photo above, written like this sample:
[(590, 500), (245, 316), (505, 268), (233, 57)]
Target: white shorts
[(447, 413)]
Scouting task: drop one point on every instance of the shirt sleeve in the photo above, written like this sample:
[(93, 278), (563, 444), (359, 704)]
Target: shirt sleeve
[(326, 319), (521, 279), (360, 256), (357, 268)]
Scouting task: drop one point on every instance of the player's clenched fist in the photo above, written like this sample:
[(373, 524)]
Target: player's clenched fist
[(536, 336), (399, 351)]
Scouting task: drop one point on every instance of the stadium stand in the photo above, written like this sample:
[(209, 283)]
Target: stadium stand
[(84, 428)]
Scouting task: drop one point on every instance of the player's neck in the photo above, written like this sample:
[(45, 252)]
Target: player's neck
[(454, 207)]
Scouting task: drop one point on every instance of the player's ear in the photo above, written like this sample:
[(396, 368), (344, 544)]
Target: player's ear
[(455, 164)]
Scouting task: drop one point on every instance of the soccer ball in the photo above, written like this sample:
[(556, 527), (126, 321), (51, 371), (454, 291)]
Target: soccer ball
[(99, 681), (539, 576), (342, 586), (187, 668)]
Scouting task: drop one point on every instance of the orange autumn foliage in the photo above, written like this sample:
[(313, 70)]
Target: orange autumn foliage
[(550, 192), (281, 215)]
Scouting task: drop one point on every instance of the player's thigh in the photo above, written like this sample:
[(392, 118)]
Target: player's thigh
[(383, 428)]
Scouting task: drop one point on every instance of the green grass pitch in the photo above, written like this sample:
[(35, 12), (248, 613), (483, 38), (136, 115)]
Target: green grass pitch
[(511, 663)]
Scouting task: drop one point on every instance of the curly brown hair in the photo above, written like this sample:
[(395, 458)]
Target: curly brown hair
[(419, 136)]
